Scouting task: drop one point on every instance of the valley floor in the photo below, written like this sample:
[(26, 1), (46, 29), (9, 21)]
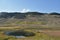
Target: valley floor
[(40, 34)]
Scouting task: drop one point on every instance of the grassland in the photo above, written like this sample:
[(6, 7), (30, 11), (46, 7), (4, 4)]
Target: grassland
[(46, 27), (40, 34)]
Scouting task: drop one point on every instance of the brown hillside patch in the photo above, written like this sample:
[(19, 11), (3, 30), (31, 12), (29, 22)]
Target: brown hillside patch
[(52, 33)]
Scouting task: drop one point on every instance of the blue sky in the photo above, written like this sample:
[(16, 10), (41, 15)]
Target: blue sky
[(30, 5)]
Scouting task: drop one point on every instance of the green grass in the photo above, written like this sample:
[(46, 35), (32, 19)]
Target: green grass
[(38, 36)]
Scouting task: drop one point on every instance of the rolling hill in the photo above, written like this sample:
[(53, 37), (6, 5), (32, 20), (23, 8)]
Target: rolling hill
[(31, 19)]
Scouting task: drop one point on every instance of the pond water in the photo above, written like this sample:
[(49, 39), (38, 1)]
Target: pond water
[(8, 33), (19, 34)]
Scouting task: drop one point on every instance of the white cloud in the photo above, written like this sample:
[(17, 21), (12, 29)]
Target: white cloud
[(25, 10)]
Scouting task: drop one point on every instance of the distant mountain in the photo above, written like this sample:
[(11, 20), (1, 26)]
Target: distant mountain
[(18, 15), (54, 13)]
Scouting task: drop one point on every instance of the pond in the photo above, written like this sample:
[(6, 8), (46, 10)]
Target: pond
[(20, 33)]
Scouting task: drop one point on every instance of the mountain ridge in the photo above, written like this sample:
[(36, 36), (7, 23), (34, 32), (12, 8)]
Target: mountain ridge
[(23, 15)]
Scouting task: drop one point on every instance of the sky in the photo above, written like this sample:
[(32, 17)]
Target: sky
[(30, 5)]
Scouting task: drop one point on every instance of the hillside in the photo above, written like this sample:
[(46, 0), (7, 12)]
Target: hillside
[(31, 19)]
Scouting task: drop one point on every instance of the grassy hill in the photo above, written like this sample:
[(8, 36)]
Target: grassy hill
[(31, 19)]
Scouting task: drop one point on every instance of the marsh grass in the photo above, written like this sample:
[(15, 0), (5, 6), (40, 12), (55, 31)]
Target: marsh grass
[(38, 36)]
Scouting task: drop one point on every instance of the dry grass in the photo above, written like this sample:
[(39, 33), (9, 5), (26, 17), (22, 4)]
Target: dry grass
[(42, 35)]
